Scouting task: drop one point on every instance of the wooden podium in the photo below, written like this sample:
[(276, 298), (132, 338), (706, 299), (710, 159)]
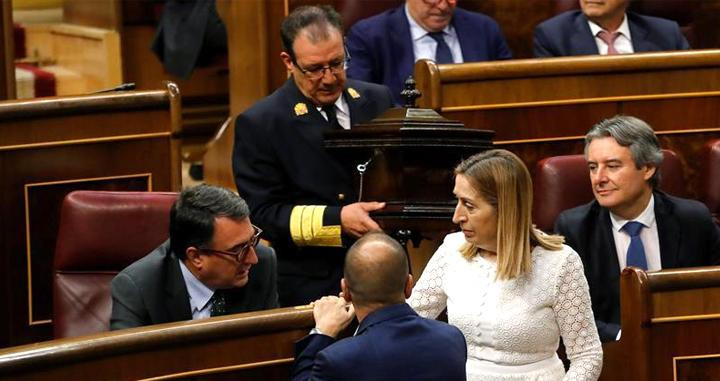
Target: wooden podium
[(406, 158)]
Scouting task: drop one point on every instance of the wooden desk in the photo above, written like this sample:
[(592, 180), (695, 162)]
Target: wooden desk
[(670, 324), (50, 147), (250, 346), (541, 108)]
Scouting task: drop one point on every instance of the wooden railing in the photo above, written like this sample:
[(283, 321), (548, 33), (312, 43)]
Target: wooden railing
[(250, 346), (670, 323)]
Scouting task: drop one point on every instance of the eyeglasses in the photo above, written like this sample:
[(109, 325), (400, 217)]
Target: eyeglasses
[(241, 251), (316, 72), (436, 2)]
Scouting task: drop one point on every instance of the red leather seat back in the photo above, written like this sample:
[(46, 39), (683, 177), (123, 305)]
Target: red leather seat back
[(563, 182), (100, 234), (710, 177)]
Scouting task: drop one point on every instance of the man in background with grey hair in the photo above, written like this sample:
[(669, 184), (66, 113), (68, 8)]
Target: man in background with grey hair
[(631, 222), (211, 265)]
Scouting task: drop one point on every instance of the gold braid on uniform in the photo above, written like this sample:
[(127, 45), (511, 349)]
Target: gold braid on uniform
[(306, 227)]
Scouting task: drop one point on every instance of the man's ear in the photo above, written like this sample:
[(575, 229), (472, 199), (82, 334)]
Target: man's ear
[(287, 60), (649, 172), (345, 290), (193, 257), (409, 284)]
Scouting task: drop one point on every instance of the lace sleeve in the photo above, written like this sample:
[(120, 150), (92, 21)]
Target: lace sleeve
[(428, 297), (577, 325)]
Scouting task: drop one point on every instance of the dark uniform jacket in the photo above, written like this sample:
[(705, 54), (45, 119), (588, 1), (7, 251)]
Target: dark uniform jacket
[(279, 163)]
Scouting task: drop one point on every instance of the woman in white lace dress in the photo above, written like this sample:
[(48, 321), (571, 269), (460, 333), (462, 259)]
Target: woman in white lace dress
[(512, 290)]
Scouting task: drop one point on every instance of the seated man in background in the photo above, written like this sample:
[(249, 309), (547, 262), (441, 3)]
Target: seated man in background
[(385, 47), (605, 27), (300, 195), (631, 222), (211, 265), (392, 341)]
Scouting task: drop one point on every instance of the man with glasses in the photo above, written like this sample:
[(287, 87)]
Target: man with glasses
[(212, 265), (299, 194), (386, 46)]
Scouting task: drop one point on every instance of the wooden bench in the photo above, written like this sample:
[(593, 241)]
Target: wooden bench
[(50, 147), (543, 107), (250, 346), (670, 326)]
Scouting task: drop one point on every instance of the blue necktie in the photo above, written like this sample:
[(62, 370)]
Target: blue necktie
[(442, 53), (636, 250)]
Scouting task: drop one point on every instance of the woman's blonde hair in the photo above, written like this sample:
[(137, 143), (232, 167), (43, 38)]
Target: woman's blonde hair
[(501, 179)]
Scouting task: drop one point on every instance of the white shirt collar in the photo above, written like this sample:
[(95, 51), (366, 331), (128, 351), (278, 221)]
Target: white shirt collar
[(199, 293), (624, 28), (647, 217), (340, 106), (417, 31)]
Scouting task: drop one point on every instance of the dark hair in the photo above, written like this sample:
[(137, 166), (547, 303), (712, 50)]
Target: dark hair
[(376, 277), (319, 18), (638, 136), (192, 217)]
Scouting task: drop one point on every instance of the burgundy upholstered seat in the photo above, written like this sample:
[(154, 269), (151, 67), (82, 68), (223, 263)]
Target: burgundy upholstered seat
[(100, 234), (563, 182)]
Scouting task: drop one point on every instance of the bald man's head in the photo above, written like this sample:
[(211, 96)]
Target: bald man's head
[(376, 270)]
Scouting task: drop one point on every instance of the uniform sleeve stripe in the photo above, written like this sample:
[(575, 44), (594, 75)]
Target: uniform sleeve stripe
[(306, 227)]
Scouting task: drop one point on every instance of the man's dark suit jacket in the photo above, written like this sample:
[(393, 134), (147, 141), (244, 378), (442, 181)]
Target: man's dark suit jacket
[(279, 162), (688, 237), (568, 34), (392, 343), (152, 290), (381, 47)]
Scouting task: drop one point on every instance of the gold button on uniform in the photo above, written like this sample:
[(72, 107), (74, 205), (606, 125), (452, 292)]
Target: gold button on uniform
[(341, 196)]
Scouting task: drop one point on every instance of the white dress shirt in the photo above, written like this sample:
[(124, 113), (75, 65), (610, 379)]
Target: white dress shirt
[(424, 46), (648, 235), (199, 294), (342, 113), (623, 43)]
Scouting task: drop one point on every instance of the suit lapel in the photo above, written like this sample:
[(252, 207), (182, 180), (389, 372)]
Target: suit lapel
[(177, 301), (402, 47), (469, 44), (308, 123), (356, 101), (607, 241), (639, 34), (304, 116), (583, 41), (669, 235)]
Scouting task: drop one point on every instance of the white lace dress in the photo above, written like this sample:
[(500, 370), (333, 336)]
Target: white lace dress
[(512, 328)]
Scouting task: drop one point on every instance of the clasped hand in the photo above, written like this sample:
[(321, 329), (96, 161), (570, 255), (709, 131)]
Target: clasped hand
[(332, 314)]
